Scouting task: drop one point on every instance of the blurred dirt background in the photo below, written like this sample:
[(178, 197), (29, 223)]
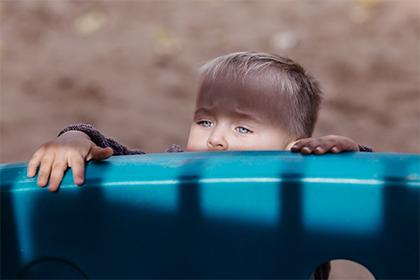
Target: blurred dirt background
[(130, 67)]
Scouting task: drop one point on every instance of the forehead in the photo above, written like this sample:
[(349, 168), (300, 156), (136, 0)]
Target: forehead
[(255, 98)]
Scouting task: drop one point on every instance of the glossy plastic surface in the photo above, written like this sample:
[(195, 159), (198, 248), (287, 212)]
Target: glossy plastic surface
[(215, 215)]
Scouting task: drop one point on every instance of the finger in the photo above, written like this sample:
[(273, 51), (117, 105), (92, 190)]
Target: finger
[(57, 174), (310, 146), (319, 150), (44, 171), (34, 162), (290, 145), (306, 150), (77, 164), (298, 145), (313, 143), (98, 153), (296, 148), (324, 146), (336, 149)]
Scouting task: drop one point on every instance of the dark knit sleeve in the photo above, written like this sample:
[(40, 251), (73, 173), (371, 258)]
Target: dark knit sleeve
[(100, 139), (363, 148)]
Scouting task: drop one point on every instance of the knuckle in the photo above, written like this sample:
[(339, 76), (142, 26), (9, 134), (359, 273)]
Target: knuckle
[(339, 145), (302, 140), (327, 144), (323, 145), (313, 143), (45, 168), (46, 161), (47, 145), (76, 164), (41, 147), (54, 146), (74, 152), (37, 153), (78, 159), (60, 164), (32, 163), (43, 174)]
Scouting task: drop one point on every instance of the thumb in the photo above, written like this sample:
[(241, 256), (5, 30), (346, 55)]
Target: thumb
[(98, 153)]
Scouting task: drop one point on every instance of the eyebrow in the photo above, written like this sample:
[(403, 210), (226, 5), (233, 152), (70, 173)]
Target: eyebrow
[(246, 115), (237, 113), (201, 110)]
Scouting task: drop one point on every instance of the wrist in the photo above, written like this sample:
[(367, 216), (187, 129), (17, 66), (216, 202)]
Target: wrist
[(86, 129), (74, 134)]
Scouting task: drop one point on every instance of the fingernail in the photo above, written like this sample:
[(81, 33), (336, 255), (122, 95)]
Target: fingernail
[(294, 147), (79, 181)]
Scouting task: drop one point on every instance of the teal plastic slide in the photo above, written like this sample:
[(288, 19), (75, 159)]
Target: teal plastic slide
[(215, 215)]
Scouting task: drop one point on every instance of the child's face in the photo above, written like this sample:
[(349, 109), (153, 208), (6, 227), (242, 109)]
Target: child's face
[(234, 118), (214, 131)]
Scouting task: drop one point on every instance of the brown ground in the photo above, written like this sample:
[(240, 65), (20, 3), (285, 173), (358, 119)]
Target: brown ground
[(129, 67)]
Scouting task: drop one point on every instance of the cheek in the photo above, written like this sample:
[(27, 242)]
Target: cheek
[(244, 144), (197, 140), (273, 141), (271, 144), (265, 141)]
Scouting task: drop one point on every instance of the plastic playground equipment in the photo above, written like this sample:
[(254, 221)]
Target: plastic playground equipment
[(215, 215)]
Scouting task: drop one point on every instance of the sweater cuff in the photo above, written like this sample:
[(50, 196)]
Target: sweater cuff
[(363, 148), (94, 135)]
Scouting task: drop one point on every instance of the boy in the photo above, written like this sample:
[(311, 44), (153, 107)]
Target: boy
[(246, 101)]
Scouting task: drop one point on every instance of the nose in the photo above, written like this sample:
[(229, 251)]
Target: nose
[(217, 141)]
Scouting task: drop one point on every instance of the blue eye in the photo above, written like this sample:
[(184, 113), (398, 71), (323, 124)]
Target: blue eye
[(243, 130), (205, 123)]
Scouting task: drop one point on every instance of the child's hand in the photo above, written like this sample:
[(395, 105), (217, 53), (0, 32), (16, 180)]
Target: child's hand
[(71, 149), (325, 144)]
